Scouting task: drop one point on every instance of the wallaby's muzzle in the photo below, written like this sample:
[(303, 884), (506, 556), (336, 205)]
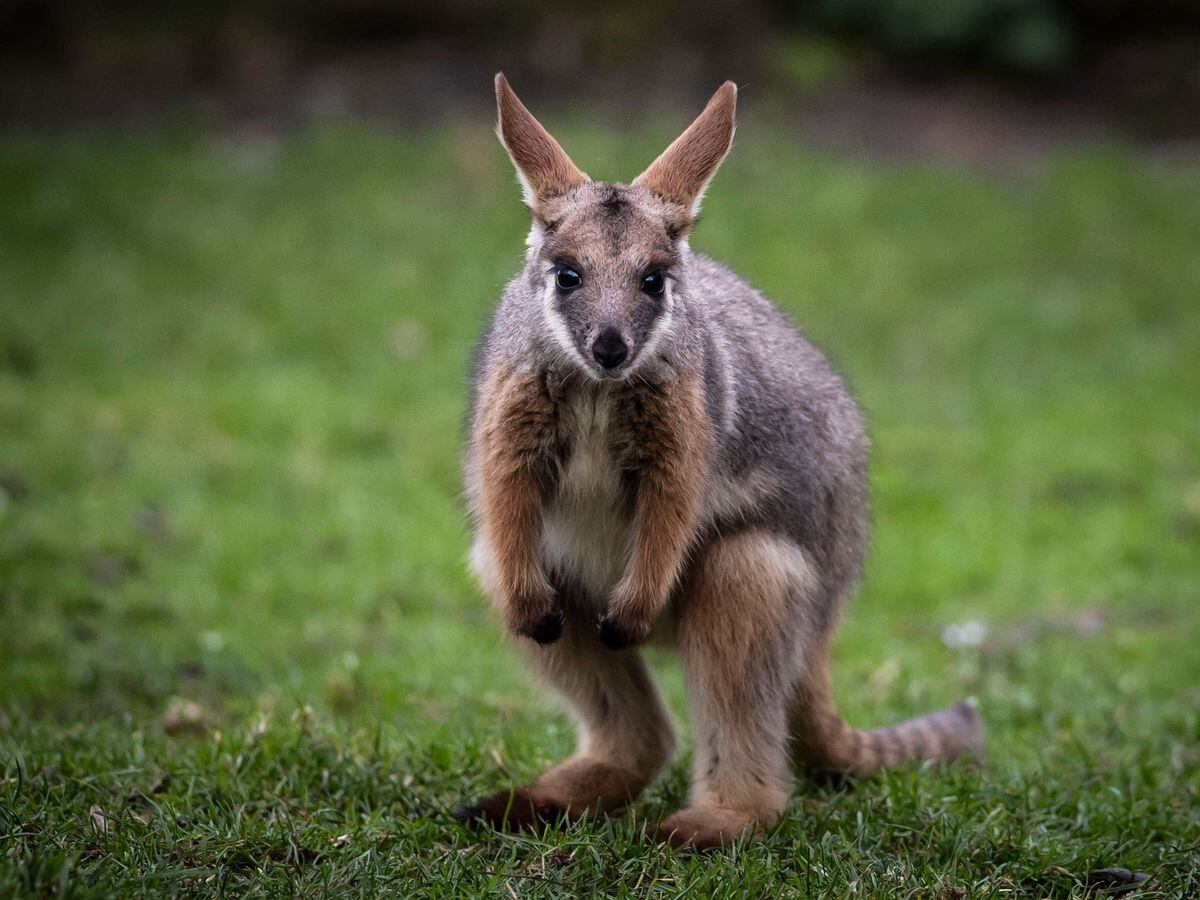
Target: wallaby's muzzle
[(610, 350)]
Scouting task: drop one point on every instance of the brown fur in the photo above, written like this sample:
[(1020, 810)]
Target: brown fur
[(543, 163), (625, 733), (734, 621), (664, 446), (707, 828), (515, 439)]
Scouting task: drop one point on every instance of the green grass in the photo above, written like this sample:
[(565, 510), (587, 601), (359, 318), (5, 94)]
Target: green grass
[(232, 377)]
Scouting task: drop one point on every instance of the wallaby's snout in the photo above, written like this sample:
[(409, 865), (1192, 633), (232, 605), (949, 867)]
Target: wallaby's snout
[(610, 349)]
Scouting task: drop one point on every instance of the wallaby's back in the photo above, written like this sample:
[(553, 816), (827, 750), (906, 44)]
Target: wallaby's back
[(793, 424)]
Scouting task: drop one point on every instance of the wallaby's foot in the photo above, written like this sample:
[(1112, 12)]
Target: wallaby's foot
[(514, 810), (707, 827), (570, 790)]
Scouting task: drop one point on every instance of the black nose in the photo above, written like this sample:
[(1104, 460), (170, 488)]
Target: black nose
[(610, 351)]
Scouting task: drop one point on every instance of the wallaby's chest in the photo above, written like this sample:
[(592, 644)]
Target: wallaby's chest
[(586, 523)]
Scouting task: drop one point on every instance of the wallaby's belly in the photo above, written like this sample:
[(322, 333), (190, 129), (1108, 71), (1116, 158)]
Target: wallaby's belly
[(586, 527)]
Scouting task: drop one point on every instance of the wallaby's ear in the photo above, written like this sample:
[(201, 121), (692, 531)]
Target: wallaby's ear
[(543, 167), (684, 169)]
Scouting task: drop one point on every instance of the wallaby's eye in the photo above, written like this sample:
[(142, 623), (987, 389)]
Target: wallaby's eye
[(567, 278), (654, 283)]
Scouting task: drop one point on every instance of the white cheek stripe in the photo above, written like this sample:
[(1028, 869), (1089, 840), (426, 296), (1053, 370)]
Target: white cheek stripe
[(660, 327), (558, 328)]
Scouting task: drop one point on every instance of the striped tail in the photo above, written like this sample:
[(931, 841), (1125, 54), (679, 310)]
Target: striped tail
[(822, 739)]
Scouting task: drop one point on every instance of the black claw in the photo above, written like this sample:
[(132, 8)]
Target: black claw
[(548, 628), (611, 635)]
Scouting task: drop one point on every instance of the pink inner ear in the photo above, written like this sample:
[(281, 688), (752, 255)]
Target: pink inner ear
[(544, 167), (683, 170)]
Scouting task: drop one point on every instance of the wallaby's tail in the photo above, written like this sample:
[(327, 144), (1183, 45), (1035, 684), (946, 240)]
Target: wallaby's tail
[(823, 740)]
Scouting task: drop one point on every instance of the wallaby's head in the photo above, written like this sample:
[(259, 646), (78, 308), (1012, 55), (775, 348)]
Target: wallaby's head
[(605, 259)]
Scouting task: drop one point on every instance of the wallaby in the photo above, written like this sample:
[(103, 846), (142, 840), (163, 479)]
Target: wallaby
[(656, 453)]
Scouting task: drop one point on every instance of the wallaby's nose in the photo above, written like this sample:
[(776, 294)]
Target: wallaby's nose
[(610, 351)]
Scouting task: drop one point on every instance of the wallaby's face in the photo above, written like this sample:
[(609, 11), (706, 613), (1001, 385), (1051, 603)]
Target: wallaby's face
[(607, 266), (605, 258)]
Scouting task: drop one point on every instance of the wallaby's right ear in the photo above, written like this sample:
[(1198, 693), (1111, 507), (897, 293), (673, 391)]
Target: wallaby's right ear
[(543, 167)]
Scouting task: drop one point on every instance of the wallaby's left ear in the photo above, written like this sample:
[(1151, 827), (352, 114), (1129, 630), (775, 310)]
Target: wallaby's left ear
[(543, 167), (684, 169)]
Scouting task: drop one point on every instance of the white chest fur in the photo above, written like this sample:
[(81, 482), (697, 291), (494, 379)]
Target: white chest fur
[(585, 529)]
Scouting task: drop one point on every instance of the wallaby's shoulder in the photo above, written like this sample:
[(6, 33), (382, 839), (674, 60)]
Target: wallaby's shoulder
[(758, 339), (728, 298)]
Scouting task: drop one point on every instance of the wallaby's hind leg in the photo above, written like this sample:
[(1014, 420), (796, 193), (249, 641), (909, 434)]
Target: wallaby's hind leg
[(625, 733), (823, 741), (740, 630)]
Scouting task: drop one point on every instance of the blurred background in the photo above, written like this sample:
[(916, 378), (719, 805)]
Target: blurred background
[(245, 251), (989, 78)]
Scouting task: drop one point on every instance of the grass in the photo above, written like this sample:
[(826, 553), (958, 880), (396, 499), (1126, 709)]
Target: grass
[(239, 650)]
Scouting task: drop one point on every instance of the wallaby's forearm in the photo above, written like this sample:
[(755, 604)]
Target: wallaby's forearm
[(668, 457), (514, 436)]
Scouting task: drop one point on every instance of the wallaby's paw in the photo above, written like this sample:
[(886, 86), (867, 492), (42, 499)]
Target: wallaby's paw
[(706, 827), (514, 810), (543, 628), (547, 629), (617, 633)]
